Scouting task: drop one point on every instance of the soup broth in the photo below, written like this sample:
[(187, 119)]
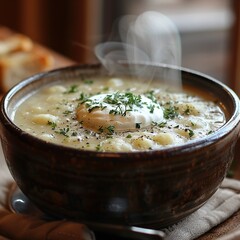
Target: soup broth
[(117, 115)]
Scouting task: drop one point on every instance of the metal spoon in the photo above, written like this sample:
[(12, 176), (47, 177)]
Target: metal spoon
[(19, 203)]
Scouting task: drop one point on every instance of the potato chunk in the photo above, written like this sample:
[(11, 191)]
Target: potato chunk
[(142, 143), (163, 138), (44, 118)]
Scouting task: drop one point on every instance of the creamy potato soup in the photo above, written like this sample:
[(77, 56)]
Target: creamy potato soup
[(114, 114)]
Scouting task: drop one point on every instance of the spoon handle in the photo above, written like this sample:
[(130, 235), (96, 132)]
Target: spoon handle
[(19, 203), (129, 232)]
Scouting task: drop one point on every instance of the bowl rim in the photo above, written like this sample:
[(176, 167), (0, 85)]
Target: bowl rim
[(231, 123)]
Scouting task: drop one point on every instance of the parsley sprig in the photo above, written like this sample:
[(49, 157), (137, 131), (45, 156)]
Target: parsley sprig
[(72, 89), (150, 95), (109, 130), (190, 132), (170, 112), (121, 102), (124, 102)]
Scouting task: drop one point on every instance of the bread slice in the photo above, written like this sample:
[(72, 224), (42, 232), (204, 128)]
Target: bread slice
[(20, 57), (16, 66), (14, 43)]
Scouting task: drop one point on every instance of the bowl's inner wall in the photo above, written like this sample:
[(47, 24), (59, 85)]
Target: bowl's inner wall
[(197, 82)]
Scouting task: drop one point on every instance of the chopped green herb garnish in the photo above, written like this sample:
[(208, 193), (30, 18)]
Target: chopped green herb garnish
[(67, 112), (63, 131), (193, 124), (210, 132), (95, 105), (72, 89), (83, 97), (151, 108), (110, 129), (124, 102), (129, 136), (170, 112), (98, 147), (187, 110), (52, 124), (190, 132), (121, 103), (161, 124), (150, 95)]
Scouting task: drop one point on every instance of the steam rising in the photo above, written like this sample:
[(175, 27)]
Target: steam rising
[(148, 38)]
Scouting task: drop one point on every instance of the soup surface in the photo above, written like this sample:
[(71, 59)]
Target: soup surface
[(116, 114)]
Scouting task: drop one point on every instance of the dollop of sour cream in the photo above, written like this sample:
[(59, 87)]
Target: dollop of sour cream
[(118, 112)]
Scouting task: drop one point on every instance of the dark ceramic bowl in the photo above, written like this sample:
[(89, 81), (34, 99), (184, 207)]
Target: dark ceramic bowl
[(151, 189)]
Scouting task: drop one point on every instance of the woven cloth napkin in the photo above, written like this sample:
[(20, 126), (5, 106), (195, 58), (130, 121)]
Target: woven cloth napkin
[(219, 207)]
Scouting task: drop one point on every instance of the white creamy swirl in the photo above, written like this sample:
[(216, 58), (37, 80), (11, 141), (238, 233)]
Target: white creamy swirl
[(118, 112)]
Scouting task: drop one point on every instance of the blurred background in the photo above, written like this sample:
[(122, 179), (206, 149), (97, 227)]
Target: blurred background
[(208, 29)]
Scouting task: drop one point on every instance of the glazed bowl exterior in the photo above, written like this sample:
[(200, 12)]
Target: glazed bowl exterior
[(152, 188)]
